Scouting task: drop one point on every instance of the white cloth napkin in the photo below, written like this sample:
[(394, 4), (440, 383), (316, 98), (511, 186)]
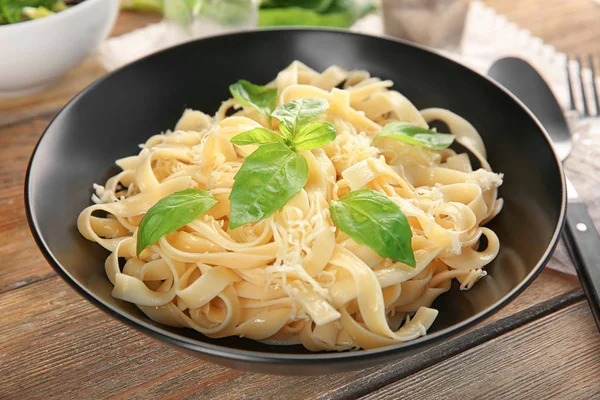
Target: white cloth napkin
[(488, 36)]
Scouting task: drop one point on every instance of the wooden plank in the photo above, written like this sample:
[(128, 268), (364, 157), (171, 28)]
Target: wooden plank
[(556, 357), (55, 344), (21, 261), (389, 375), (555, 21), (129, 21), (50, 101)]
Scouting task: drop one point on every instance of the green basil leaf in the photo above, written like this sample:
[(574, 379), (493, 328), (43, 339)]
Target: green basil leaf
[(267, 180), (374, 220), (256, 136), (315, 134), (171, 213), (262, 98), (295, 115), (415, 135)]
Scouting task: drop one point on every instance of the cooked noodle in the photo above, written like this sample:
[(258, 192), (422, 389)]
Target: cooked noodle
[(293, 277)]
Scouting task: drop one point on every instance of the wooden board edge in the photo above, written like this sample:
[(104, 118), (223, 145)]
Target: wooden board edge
[(391, 373)]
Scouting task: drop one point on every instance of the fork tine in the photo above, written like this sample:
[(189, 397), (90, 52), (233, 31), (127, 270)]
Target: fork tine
[(595, 98), (572, 104), (583, 94)]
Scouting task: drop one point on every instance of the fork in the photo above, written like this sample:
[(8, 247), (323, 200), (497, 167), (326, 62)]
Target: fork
[(587, 91)]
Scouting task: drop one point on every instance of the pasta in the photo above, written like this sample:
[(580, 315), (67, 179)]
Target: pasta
[(293, 277)]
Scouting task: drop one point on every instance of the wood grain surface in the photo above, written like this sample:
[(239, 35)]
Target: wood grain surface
[(21, 262), (54, 344), (555, 357), (569, 25), (56, 337)]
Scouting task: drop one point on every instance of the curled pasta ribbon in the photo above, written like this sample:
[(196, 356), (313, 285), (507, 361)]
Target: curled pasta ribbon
[(294, 278), (465, 133)]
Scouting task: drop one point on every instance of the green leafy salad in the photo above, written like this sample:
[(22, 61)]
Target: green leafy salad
[(13, 11)]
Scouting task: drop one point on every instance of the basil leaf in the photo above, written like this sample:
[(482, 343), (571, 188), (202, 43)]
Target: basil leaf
[(262, 98), (415, 135), (315, 134), (171, 213), (256, 136), (267, 180), (374, 220), (295, 115)]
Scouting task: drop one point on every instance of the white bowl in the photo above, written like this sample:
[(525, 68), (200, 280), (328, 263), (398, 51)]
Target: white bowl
[(34, 54)]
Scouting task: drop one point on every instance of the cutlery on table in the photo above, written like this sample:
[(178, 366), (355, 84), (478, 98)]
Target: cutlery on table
[(577, 77), (580, 234)]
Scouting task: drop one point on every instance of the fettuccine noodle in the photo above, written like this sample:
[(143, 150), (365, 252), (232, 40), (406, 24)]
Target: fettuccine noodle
[(293, 277)]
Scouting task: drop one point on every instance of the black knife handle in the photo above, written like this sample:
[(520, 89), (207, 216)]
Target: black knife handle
[(583, 242)]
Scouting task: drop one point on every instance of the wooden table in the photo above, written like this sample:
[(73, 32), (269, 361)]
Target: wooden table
[(54, 344)]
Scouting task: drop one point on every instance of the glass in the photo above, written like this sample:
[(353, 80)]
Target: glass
[(434, 23), (201, 18)]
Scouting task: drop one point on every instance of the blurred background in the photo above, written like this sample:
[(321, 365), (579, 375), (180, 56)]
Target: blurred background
[(83, 39), (437, 23)]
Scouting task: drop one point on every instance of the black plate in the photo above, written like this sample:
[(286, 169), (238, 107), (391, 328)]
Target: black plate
[(110, 118)]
